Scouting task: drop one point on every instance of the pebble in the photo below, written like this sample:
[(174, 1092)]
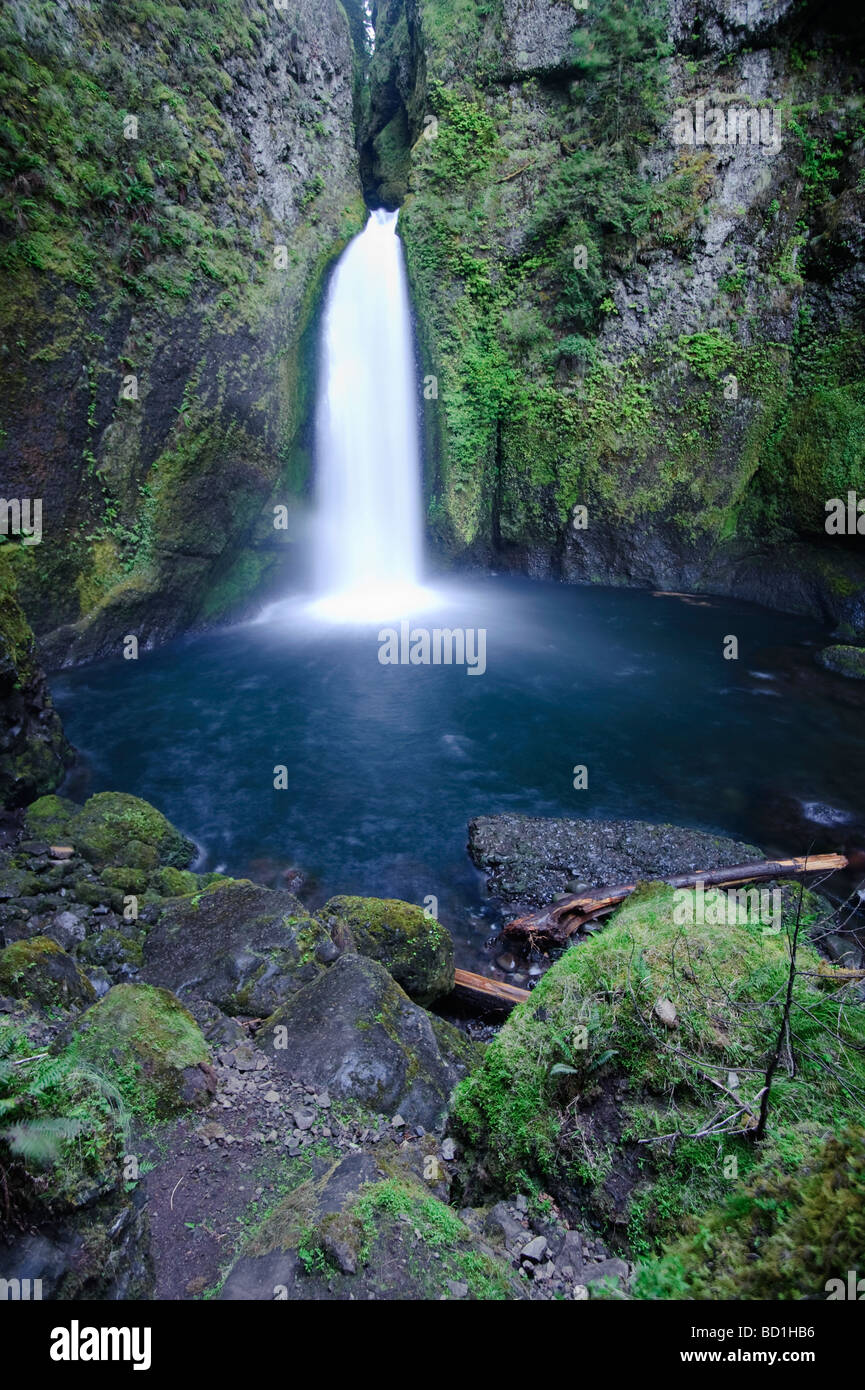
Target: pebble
[(304, 1117), (458, 1289), (506, 963)]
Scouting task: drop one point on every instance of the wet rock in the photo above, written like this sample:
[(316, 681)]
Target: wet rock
[(243, 947), (844, 661), (356, 1032), (116, 829), (40, 971), (528, 859), (415, 948)]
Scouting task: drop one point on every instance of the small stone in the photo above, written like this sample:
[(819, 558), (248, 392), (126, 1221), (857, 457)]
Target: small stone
[(304, 1117), (580, 1292), (323, 1101), (397, 1122), (535, 1250), (521, 1203), (458, 1289), (665, 1010), (449, 1150), (271, 1097), (61, 851), (506, 963)]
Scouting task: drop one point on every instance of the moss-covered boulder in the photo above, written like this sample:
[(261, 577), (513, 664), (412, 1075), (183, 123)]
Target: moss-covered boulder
[(844, 660), (245, 948), (114, 828), (354, 1032), (417, 951), (40, 971), (152, 1047), (49, 818), (343, 1235), (602, 1083)]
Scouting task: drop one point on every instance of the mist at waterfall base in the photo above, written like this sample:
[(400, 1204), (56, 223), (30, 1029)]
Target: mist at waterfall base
[(387, 763)]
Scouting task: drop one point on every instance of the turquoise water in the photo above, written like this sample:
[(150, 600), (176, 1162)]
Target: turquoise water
[(386, 764)]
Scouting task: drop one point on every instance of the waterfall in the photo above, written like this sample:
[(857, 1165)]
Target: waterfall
[(368, 536)]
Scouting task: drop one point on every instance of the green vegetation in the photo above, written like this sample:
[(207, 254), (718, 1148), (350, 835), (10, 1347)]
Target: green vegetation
[(779, 1236), (150, 1043), (584, 1081), (62, 1123)]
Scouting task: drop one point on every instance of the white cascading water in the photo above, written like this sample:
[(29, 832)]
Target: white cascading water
[(368, 542)]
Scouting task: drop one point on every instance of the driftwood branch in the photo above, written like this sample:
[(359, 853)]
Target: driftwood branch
[(490, 996), (557, 922)]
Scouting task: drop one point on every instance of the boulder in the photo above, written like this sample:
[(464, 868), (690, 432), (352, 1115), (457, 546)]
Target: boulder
[(417, 951), (354, 1032), (245, 948), (343, 1236), (48, 819), (844, 661), (41, 971), (151, 1046), (528, 859), (114, 828)]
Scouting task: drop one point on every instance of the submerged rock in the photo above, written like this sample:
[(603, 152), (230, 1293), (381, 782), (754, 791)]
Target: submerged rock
[(528, 859), (417, 951), (356, 1033), (114, 828), (245, 948), (151, 1046)]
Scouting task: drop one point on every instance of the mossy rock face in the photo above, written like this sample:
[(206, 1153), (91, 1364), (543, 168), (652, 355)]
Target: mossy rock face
[(845, 661), (152, 1046), (49, 819), (40, 971), (354, 1032), (243, 947), (417, 951), (34, 752), (114, 828), (616, 1045)]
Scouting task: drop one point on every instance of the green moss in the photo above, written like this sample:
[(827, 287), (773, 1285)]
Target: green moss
[(39, 970), (148, 1040), (48, 819), (416, 949), (847, 661), (778, 1236), (582, 1080), (122, 830)]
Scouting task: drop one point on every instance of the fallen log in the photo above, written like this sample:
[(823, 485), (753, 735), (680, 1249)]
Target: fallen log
[(557, 922), (491, 996)]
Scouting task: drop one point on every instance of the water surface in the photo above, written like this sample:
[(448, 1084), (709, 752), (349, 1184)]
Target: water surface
[(386, 764)]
